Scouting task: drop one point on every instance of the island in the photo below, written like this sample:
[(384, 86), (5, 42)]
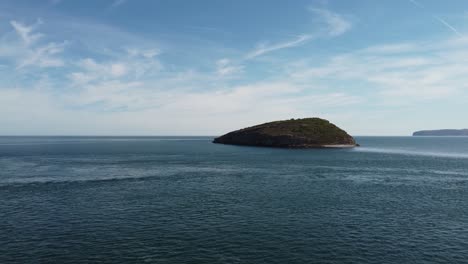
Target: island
[(293, 133), (442, 132)]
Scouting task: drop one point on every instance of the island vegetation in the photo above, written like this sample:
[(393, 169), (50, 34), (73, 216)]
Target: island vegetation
[(293, 133)]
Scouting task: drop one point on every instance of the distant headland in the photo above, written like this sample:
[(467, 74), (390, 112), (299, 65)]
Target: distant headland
[(442, 132), (293, 133)]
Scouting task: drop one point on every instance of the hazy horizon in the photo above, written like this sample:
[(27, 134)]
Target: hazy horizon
[(155, 68)]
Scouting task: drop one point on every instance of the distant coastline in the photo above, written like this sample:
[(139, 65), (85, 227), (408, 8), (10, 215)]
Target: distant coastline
[(442, 132)]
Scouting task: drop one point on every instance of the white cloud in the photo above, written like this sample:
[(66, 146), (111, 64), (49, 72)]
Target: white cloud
[(118, 69), (336, 24), (224, 67), (125, 91), (80, 78), (267, 48), (121, 91), (118, 107), (146, 53), (43, 56), (126, 67), (401, 74), (151, 53), (26, 32), (90, 71), (391, 48), (29, 50)]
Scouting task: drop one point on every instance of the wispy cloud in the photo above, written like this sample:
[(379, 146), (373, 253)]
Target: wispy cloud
[(265, 48), (391, 48), (121, 92), (26, 32), (224, 67), (117, 82), (398, 73), (148, 53), (128, 67), (44, 56), (117, 3), (335, 23), (29, 51)]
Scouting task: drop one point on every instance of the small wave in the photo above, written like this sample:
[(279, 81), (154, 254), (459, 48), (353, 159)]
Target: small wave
[(131, 175), (47, 181), (412, 152)]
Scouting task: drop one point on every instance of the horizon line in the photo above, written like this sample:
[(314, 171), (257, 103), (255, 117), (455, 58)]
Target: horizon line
[(90, 135)]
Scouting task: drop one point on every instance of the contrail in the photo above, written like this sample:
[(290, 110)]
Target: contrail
[(442, 21), (448, 26)]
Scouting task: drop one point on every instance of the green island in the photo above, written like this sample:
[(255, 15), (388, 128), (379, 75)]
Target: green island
[(293, 133)]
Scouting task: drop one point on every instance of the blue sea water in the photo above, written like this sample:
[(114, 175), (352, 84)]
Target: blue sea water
[(186, 200)]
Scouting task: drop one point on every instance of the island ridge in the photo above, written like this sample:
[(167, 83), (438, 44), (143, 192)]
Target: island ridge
[(293, 133)]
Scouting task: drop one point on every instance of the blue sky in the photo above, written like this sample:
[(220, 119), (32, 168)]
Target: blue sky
[(149, 67)]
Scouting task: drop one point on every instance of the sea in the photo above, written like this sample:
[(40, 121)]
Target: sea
[(187, 200)]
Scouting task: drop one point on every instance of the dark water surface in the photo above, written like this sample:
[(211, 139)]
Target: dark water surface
[(186, 200)]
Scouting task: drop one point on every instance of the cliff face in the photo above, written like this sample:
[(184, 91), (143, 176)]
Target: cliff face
[(294, 133), (442, 132)]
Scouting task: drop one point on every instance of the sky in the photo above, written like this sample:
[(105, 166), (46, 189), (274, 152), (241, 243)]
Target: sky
[(207, 67)]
